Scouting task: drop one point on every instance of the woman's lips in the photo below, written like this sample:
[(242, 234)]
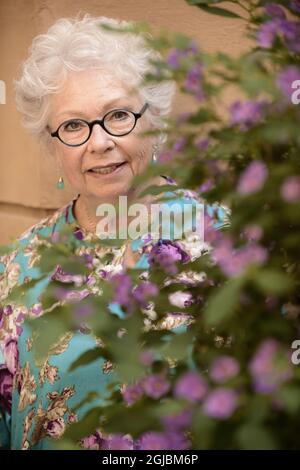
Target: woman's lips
[(108, 171)]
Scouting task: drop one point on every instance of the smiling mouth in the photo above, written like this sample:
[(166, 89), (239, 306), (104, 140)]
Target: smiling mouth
[(107, 170)]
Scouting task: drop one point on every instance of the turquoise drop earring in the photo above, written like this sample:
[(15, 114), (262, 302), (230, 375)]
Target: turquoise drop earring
[(60, 183)]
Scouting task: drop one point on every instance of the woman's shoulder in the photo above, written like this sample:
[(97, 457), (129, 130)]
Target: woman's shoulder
[(17, 259)]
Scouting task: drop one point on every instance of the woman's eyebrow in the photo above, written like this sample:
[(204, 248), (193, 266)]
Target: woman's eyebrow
[(80, 113)]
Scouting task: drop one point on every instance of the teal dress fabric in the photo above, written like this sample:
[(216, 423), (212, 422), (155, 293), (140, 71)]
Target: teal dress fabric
[(37, 399)]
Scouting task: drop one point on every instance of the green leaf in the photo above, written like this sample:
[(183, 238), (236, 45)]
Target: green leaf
[(88, 357), (219, 11), (221, 305), (273, 282), (253, 437), (87, 425)]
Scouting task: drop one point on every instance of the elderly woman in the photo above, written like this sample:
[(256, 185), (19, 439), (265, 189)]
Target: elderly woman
[(79, 94)]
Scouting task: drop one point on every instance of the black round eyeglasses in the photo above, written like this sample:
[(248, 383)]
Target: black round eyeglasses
[(118, 122)]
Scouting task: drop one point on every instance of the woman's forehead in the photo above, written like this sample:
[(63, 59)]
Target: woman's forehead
[(90, 91)]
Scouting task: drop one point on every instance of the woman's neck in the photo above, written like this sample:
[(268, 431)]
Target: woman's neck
[(85, 208)]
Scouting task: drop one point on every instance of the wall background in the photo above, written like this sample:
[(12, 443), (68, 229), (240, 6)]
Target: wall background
[(27, 178)]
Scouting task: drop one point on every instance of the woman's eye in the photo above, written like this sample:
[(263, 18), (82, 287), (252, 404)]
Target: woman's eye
[(72, 126), (120, 115)]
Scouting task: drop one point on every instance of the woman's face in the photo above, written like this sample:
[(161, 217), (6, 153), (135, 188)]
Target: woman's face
[(88, 95)]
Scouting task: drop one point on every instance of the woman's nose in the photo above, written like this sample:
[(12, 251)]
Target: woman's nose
[(99, 139)]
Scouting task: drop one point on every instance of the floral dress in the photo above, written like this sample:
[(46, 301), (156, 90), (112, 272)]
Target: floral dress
[(37, 398)]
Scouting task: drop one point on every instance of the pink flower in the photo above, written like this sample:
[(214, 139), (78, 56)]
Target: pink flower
[(224, 368), (290, 189), (220, 403), (270, 367), (253, 178), (191, 386), (156, 385), (253, 232)]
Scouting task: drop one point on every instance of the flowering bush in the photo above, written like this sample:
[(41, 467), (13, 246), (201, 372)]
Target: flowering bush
[(228, 380)]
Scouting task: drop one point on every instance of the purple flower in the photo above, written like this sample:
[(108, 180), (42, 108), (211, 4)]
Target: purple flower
[(279, 27), (118, 442), (132, 393), (177, 441), (295, 6), (156, 385), (166, 253), (266, 34), (253, 178), (147, 357), (55, 428), (270, 367), (234, 262), (253, 232), (174, 56), (193, 81), (286, 78), (143, 291), (220, 403), (178, 421), (6, 386), (203, 144), (78, 233), (154, 441), (274, 10), (179, 145), (246, 114), (11, 354), (224, 368), (206, 186), (93, 442), (122, 289), (290, 189), (190, 386)]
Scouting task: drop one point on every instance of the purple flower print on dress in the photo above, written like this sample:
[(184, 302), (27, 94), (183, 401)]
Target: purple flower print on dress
[(11, 354), (144, 291), (181, 299), (55, 428), (286, 78), (166, 254), (156, 385), (6, 385), (191, 386), (290, 189), (221, 403), (224, 368), (270, 367), (252, 178), (246, 114), (122, 289)]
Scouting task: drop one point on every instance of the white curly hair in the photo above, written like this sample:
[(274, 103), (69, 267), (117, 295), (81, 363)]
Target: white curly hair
[(76, 44)]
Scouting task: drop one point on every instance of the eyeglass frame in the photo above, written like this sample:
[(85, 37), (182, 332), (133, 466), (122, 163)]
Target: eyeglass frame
[(101, 123)]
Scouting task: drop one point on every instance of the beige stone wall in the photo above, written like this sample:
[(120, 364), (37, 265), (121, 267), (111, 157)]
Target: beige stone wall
[(27, 177)]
